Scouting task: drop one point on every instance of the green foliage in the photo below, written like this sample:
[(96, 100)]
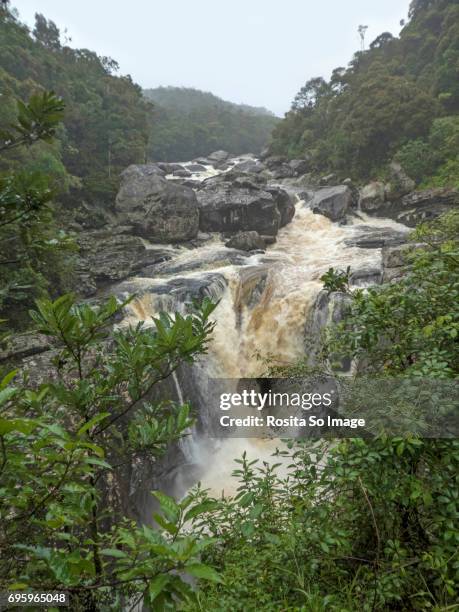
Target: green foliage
[(356, 524), (434, 162), (36, 120), (188, 123), (31, 246), (352, 526), (336, 280), (67, 447), (411, 326), (106, 121), (385, 101)]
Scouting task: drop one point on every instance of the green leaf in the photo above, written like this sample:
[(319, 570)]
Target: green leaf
[(199, 570)]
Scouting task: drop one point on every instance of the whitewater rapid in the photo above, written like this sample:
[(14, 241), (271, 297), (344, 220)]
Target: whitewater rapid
[(261, 315)]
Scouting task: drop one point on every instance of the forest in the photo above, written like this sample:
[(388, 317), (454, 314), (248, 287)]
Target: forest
[(189, 123), (399, 98), (354, 524)]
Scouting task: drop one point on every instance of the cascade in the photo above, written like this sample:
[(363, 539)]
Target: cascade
[(264, 302)]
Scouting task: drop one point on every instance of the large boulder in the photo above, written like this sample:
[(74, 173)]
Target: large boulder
[(424, 205), (299, 166), (400, 183), (332, 202), (249, 165), (218, 157), (160, 210), (246, 241), (109, 256), (284, 204), (372, 197), (240, 205)]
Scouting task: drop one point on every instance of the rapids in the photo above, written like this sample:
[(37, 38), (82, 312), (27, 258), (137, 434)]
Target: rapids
[(264, 303)]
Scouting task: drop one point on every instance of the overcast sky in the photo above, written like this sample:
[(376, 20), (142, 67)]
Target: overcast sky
[(259, 52)]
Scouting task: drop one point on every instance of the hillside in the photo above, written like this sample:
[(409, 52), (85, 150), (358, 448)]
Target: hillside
[(105, 123), (398, 98), (188, 123)]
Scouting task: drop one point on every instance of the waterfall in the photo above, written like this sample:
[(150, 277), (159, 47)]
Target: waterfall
[(264, 303)]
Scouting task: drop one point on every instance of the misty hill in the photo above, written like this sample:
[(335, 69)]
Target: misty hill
[(188, 123)]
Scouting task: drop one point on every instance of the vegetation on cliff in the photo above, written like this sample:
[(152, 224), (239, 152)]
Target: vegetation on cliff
[(398, 98)]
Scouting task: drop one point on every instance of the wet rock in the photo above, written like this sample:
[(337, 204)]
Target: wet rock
[(237, 206), (424, 205), (329, 179), (299, 166), (176, 292), (328, 309), (376, 237), (265, 153), (196, 168), (219, 257), (158, 209), (363, 277), (397, 256), (182, 173), (246, 241), (169, 168), (284, 204), (400, 183), (372, 197), (202, 161), (283, 171), (218, 157), (348, 182), (275, 161), (249, 165), (332, 202), (107, 257), (397, 260)]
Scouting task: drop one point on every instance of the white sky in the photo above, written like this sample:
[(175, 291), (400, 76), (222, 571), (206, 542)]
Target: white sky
[(259, 52)]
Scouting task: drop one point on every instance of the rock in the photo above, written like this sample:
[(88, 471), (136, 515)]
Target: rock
[(424, 205), (397, 256), (246, 241), (218, 157), (249, 165), (400, 183), (363, 277), (299, 166), (236, 206), (332, 202), (328, 308), (348, 182), (372, 197), (174, 293), (107, 257), (265, 153), (306, 196), (160, 210), (284, 204), (25, 345), (202, 161), (168, 168), (329, 179), (274, 161), (397, 260), (376, 237), (196, 168), (182, 173), (283, 171), (269, 239)]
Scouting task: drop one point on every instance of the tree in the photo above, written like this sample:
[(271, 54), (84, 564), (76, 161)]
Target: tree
[(46, 32), (66, 446)]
